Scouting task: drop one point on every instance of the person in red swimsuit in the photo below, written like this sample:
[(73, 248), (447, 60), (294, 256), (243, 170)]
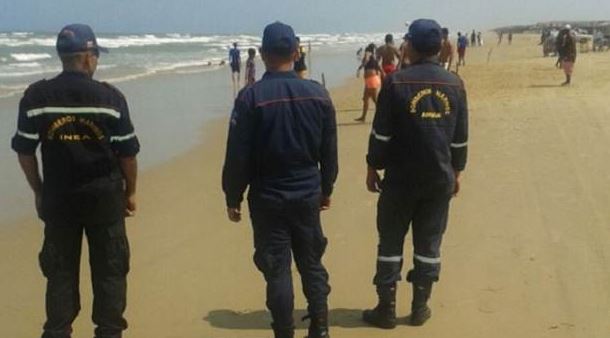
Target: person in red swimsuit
[(389, 55)]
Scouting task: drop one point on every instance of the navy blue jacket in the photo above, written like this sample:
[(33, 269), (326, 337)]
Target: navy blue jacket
[(420, 131), (282, 142)]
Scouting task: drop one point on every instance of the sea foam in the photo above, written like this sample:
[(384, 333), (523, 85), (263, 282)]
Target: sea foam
[(29, 57)]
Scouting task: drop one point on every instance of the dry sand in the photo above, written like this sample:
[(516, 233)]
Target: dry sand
[(526, 253)]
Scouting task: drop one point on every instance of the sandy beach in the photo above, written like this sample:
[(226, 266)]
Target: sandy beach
[(526, 253)]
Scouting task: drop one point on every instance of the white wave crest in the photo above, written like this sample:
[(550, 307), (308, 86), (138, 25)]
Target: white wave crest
[(25, 65), (28, 57), (22, 42), (213, 41)]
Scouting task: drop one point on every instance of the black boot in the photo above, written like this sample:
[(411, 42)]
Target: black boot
[(420, 312), (283, 332), (384, 315), (318, 324)]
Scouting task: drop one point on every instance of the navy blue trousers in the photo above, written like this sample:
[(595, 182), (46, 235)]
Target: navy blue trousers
[(427, 215), (60, 263), (279, 233)]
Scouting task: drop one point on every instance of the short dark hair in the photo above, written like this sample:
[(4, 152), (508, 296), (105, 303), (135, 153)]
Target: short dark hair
[(275, 56), (431, 51), (281, 53), (445, 31), (251, 52), (72, 59), (389, 38)]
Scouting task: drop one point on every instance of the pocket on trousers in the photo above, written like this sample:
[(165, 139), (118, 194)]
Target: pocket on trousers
[(264, 262), (117, 251), (320, 247), (49, 260)]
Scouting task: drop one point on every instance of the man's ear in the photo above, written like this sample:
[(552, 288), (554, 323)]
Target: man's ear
[(90, 63)]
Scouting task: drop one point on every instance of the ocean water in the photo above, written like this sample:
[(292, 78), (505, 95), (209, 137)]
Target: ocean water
[(26, 57), (170, 87)]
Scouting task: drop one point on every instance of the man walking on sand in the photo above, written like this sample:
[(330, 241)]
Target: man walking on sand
[(282, 144), (566, 48), (235, 64), (419, 137), (89, 167), (447, 53), (462, 43), (389, 55), (404, 60)]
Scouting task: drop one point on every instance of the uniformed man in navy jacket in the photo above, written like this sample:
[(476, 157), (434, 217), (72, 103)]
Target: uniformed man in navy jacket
[(89, 149), (419, 137), (282, 144)]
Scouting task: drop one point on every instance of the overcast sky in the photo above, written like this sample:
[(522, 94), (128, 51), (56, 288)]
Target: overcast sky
[(307, 16)]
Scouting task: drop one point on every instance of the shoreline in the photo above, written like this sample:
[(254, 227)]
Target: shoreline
[(169, 110)]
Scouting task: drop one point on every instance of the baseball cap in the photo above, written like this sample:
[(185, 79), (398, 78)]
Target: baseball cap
[(76, 38), (279, 38), (425, 36)]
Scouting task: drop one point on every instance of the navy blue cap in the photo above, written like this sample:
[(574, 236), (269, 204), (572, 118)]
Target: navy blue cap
[(279, 37), (425, 36), (77, 38)]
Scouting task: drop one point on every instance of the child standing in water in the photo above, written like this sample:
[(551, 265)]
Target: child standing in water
[(250, 68)]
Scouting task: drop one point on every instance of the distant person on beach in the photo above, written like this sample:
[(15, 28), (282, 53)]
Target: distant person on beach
[(372, 80), (282, 144), (404, 58), (473, 38), (250, 67), (566, 48), (235, 63), (89, 167), (598, 41), (300, 65), (510, 38), (419, 137), (480, 39), (462, 43), (447, 53), (543, 36), (560, 45), (500, 37), (389, 55)]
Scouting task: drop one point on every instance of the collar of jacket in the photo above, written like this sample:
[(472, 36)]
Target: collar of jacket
[(73, 73), (431, 59), (280, 75)]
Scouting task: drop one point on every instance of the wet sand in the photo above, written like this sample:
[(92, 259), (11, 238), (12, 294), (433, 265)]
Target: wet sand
[(526, 253)]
